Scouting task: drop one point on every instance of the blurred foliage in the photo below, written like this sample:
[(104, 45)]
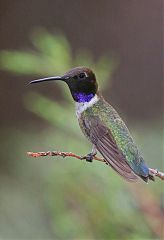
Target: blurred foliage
[(65, 198), (53, 55)]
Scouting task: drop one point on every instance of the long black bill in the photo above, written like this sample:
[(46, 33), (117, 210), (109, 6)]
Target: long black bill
[(47, 79)]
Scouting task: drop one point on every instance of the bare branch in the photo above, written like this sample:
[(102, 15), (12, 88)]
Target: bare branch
[(155, 172), (61, 154)]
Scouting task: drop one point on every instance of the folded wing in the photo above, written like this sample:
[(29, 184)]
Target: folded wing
[(102, 138)]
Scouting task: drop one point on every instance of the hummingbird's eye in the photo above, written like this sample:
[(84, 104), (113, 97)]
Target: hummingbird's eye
[(81, 75), (75, 77)]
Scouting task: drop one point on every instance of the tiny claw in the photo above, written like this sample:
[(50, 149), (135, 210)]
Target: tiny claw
[(89, 157)]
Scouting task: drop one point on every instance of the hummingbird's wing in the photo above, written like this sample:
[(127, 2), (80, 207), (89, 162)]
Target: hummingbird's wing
[(101, 136)]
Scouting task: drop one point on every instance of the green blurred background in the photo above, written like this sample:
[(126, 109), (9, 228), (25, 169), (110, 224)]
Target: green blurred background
[(55, 198)]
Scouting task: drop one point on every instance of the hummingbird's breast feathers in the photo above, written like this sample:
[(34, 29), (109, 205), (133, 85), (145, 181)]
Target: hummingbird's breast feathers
[(82, 106)]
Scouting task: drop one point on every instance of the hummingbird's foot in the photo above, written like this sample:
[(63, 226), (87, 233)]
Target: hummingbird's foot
[(89, 157)]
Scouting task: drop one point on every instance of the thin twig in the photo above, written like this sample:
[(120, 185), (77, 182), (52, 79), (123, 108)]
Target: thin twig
[(61, 154), (155, 172)]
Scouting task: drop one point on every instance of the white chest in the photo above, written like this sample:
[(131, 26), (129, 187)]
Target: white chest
[(81, 107)]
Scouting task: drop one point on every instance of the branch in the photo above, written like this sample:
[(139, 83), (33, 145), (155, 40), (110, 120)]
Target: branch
[(155, 172)]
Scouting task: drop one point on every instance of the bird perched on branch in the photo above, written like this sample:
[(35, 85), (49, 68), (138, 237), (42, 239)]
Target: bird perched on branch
[(102, 125)]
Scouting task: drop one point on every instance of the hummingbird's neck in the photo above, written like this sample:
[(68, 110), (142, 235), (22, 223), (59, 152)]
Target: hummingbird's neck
[(83, 97), (82, 106)]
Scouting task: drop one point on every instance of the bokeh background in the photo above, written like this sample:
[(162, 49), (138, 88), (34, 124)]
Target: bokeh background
[(55, 198)]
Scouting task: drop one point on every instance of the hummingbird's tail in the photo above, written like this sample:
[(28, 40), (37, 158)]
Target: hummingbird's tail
[(142, 170)]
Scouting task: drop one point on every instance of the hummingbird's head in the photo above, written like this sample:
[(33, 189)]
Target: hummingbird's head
[(81, 82)]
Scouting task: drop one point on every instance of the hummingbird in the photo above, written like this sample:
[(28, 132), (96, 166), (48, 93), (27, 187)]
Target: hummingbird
[(102, 125)]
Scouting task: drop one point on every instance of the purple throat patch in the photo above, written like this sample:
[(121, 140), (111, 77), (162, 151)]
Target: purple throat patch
[(83, 97)]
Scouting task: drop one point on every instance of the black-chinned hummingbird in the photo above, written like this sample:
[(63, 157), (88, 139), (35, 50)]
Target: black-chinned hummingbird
[(102, 125)]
